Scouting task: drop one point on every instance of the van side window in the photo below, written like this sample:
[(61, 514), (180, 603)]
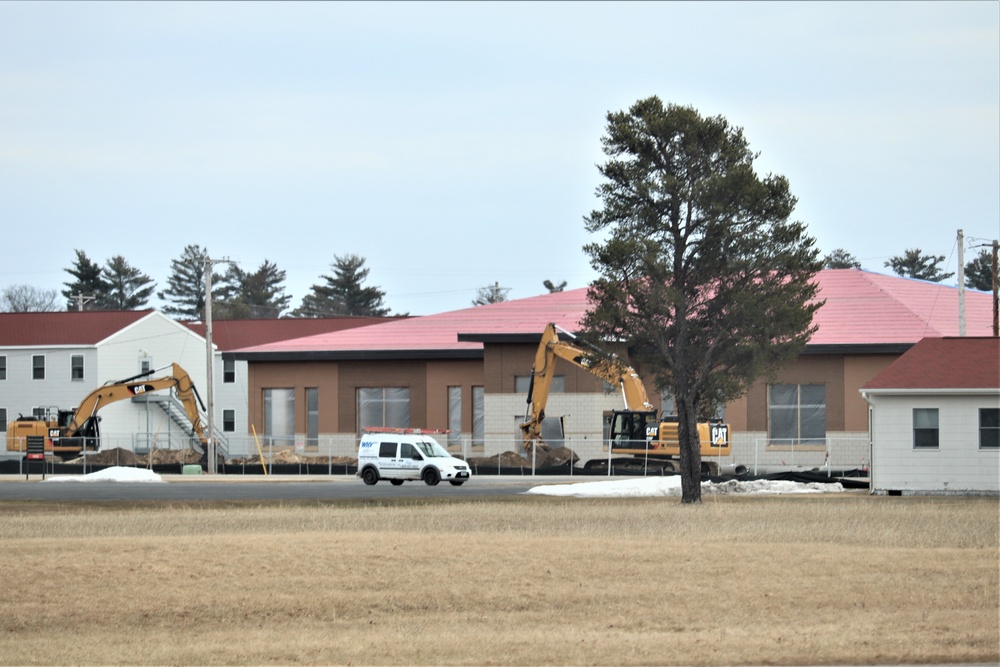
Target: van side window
[(408, 451), (387, 450)]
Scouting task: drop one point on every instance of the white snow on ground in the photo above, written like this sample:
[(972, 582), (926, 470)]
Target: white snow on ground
[(115, 474), (621, 488), (671, 486)]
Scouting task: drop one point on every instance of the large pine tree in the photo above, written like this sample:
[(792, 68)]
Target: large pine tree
[(343, 293), (128, 288), (88, 290), (186, 284), (702, 272), (257, 295)]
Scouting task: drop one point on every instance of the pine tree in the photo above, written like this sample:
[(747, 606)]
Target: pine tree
[(258, 295), (491, 294), (915, 264), (89, 290), (186, 284), (128, 288), (343, 294)]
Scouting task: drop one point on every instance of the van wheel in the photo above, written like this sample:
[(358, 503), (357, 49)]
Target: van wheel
[(431, 476), (396, 482), (370, 476), (457, 482)]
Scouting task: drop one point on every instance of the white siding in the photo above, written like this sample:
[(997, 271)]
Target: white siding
[(958, 464)]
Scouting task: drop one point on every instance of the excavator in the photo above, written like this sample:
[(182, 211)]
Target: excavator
[(636, 435), (69, 432)]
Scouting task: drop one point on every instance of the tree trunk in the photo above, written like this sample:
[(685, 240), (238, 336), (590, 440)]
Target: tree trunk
[(687, 434)]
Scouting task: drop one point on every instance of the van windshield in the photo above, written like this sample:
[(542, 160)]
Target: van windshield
[(432, 449)]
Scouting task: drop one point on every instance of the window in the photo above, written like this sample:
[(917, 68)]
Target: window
[(145, 365), (989, 428), (454, 415), (312, 417), (478, 415), (383, 406), (925, 428), (38, 367), (76, 367), (279, 416), (387, 450), (228, 370), (797, 414), (229, 420), (3, 419), (3, 367), (522, 382)]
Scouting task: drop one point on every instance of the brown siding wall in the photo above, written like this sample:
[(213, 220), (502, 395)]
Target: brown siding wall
[(298, 376)]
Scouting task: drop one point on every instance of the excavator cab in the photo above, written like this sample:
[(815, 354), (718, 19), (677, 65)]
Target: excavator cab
[(629, 429)]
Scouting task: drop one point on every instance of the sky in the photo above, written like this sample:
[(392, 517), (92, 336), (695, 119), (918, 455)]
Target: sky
[(455, 145), (639, 487)]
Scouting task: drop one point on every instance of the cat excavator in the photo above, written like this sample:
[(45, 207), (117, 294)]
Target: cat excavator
[(637, 437), (69, 432)]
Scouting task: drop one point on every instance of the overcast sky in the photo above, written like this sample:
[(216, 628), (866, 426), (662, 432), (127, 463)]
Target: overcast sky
[(453, 145)]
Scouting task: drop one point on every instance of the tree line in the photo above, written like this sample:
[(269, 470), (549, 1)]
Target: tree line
[(914, 263), (236, 293)]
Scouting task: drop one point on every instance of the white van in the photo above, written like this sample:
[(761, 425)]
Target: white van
[(407, 454)]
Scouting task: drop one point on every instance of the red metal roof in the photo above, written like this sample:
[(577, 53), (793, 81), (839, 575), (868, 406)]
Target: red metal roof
[(862, 308), (235, 334), (88, 327), (944, 363)]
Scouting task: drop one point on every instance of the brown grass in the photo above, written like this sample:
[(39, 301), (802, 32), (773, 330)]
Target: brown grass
[(847, 579)]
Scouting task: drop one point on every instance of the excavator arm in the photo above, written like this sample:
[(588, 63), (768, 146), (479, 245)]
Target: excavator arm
[(604, 365), (178, 380)]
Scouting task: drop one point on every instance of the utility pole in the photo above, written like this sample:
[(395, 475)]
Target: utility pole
[(210, 364), (82, 299), (961, 284)]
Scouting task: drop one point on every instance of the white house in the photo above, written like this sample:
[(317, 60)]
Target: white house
[(935, 419)]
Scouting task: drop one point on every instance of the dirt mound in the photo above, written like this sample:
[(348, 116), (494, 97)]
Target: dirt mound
[(287, 456), (126, 457), (501, 460), (545, 458)]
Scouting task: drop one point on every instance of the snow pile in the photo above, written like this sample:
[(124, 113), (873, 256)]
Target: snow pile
[(671, 486), (114, 474)]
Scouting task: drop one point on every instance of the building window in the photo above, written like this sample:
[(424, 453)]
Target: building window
[(228, 370), (312, 417), (145, 365), (38, 367), (925, 428), (279, 416), (797, 414), (454, 415), (3, 419), (229, 421), (3, 367), (383, 406), (478, 416), (76, 367), (989, 428), (522, 382)]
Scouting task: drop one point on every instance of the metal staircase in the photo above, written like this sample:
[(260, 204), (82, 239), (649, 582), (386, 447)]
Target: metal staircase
[(174, 409)]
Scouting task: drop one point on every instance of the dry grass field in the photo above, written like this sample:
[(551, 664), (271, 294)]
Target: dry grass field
[(798, 580)]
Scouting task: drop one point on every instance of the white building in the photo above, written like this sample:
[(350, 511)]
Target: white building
[(935, 419)]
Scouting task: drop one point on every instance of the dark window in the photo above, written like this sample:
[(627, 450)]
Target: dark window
[(925, 428), (76, 367), (387, 450), (408, 451), (3, 419), (3, 368), (228, 370), (229, 420), (989, 428), (38, 367)]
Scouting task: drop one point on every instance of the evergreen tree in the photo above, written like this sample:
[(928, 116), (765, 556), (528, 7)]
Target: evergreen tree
[(89, 290), (128, 288), (914, 264), (186, 284), (701, 270), (258, 295), (343, 294), (841, 259), (979, 272), (491, 294)]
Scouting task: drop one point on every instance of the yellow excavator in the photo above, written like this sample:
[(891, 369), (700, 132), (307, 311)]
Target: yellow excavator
[(69, 432), (635, 432)]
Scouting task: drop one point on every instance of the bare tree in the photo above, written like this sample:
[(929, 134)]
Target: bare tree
[(28, 299)]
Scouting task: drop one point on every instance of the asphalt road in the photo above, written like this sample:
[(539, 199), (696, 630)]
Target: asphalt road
[(211, 488)]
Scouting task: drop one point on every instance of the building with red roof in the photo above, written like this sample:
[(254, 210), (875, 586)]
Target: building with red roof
[(935, 418), (465, 370)]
